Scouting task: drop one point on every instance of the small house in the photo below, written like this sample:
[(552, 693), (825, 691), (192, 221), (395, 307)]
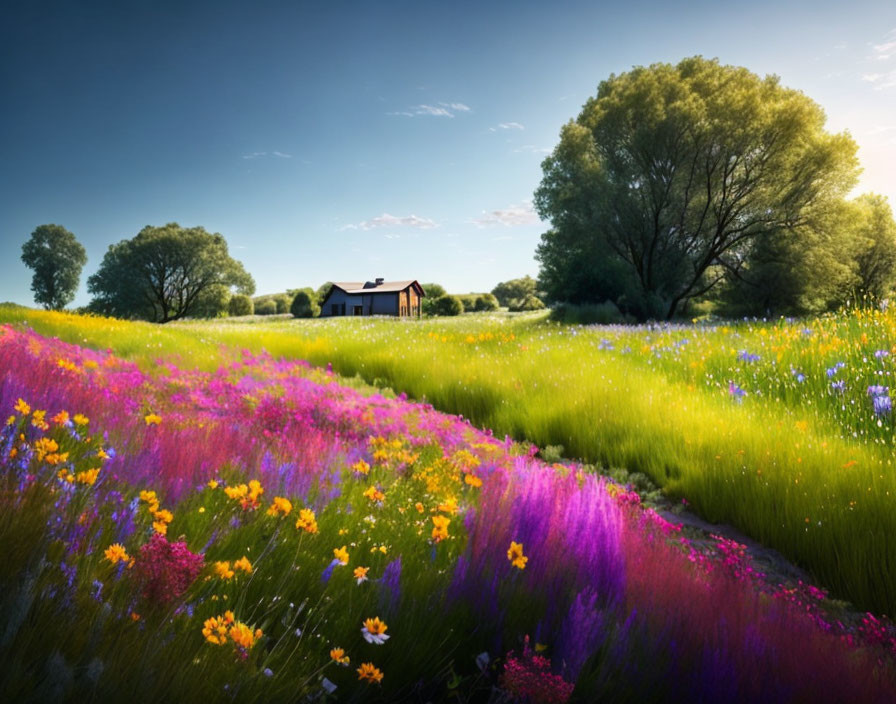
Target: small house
[(377, 297)]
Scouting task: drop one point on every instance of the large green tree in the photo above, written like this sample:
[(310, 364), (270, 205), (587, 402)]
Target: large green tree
[(167, 273), (57, 258), (657, 190)]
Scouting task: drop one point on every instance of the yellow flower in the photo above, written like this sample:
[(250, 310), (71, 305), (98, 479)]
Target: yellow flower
[(374, 631), (215, 629), (116, 553), (338, 656), (374, 494), (164, 515), (44, 447), (160, 527), (88, 477), (419, 507), (152, 419), (440, 527), (102, 454), (236, 492), (306, 521), (360, 574), (255, 489), (368, 672), (80, 419), (149, 497), (243, 564), (37, 420), (22, 407), (361, 467), (61, 418), (448, 506), (515, 555), (10, 420), (473, 480), (280, 507), (212, 484), (222, 569), (341, 554), (244, 636)]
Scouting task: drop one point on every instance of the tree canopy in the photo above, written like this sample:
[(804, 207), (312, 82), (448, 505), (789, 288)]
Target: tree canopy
[(167, 273), (662, 185), (57, 258), (514, 290)]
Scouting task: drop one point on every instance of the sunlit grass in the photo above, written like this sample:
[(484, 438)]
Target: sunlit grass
[(794, 462)]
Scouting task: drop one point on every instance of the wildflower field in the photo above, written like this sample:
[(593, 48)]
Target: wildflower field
[(187, 516)]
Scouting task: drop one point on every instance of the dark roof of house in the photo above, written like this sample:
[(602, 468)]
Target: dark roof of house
[(371, 287)]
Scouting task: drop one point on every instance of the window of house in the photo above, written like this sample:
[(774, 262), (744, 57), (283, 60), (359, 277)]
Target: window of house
[(334, 309), (358, 310)]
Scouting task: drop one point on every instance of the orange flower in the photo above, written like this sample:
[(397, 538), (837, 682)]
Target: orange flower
[(369, 673)]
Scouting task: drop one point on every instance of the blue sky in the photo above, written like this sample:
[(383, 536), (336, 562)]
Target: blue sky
[(345, 141)]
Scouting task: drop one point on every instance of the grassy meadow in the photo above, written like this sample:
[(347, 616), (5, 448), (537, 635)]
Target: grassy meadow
[(782, 429), (190, 521)]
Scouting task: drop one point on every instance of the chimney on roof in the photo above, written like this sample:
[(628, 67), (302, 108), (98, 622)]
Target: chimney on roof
[(379, 281)]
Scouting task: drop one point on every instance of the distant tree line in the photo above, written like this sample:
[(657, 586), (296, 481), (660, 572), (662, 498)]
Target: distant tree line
[(699, 182)]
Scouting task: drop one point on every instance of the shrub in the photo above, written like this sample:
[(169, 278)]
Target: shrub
[(446, 305), (282, 301), (268, 306), (485, 302), (302, 306), (530, 302), (605, 313), (240, 304)]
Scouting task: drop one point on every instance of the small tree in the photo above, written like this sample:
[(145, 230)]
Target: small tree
[(485, 302), (266, 306), (530, 302), (282, 303), (446, 305), (57, 259), (515, 289), (302, 305), (432, 291), (240, 304), (167, 273)]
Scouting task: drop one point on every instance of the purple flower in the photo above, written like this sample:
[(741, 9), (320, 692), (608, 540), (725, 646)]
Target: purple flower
[(880, 354), (737, 392), (745, 356), (838, 386), (882, 405), (878, 390)]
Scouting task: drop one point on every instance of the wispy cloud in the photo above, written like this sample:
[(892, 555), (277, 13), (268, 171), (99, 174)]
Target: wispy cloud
[(261, 155), (507, 126), (880, 81), (437, 110), (886, 48), (511, 216), (387, 220), (532, 149)]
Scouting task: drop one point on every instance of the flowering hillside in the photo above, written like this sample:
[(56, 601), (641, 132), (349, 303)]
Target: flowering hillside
[(263, 533)]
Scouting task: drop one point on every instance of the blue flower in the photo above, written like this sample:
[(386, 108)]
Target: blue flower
[(882, 405)]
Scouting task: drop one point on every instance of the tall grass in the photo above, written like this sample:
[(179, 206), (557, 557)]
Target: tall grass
[(104, 459), (740, 420)]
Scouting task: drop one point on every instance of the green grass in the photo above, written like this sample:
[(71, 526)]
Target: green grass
[(795, 464)]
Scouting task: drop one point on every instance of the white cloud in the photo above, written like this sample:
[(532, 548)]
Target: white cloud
[(532, 149), (512, 216), (879, 129), (881, 80), (507, 126), (387, 220), (440, 110), (432, 110), (259, 155), (887, 48)]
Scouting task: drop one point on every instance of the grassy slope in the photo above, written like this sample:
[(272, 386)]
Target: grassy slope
[(783, 468)]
